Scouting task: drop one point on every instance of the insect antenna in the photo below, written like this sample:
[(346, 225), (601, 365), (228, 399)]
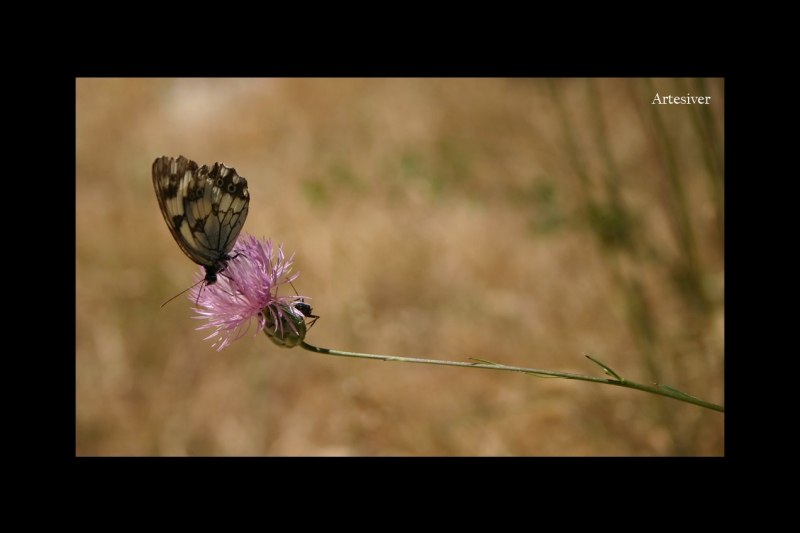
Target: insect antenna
[(186, 289), (304, 308)]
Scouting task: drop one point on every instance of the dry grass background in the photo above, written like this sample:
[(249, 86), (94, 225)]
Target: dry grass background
[(520, 221)]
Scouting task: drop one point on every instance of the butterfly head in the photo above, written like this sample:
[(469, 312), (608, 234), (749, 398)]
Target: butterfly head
[(213, 270)]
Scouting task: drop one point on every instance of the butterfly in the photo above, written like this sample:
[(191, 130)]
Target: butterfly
[(204, 209)]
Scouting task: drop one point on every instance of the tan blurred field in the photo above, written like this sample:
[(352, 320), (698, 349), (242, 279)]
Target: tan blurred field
[(519, 221)]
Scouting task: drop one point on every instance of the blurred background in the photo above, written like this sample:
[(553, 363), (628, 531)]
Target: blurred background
[(522, 221)]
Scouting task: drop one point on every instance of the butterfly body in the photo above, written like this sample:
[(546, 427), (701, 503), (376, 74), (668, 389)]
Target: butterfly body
[(204, 208)]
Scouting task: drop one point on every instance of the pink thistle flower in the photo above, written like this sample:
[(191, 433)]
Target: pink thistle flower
[(246, 289)]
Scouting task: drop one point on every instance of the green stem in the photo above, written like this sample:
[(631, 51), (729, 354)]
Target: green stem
[(565, 375)]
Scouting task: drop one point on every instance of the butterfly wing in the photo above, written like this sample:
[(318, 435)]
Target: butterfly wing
[(204, 208)]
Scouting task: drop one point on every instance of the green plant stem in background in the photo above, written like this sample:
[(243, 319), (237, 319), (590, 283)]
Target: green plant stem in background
[(661, 390)]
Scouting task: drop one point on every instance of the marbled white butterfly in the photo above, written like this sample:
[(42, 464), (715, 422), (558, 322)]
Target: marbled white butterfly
[(204, 208)]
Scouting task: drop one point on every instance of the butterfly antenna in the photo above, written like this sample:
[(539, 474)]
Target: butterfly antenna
[(186, 289)]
